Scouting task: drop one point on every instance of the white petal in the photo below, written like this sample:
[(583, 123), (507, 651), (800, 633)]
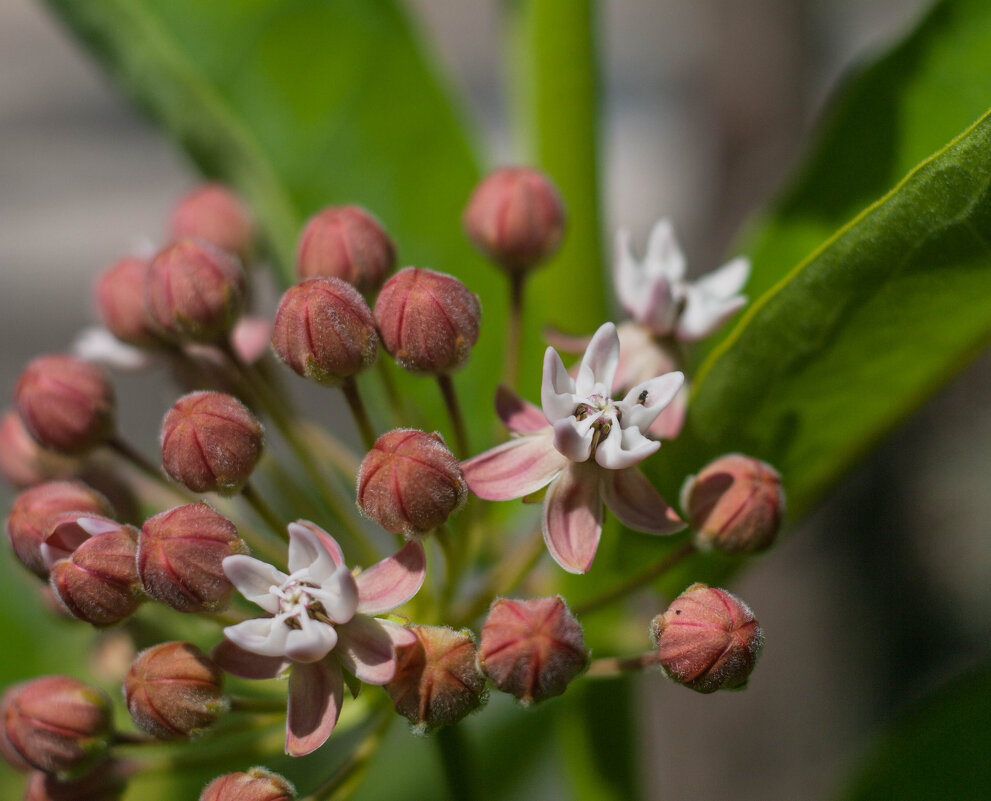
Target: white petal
[(557, 390), (727, 281), (598, 365), (339, 595), (648, 399), (265, 636), (664, 256), (703, 315), (312, 642), (253, 579), (573, 438), (627, 277), (98, 345), (307, 553), (624, 448)]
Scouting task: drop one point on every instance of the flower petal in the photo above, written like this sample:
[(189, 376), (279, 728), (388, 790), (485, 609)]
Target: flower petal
[(253, 579), (624, 448), (400, 635), (235, 660), (626, 275), (393, 581), (565, 343), (316, 692), (95, 526), (573, 438), (668, 424), (557, 388), (367, 650), (664, 256), (98, 345), (314, 550), (339, 595), (515, 468), (598, 365), (703, 314), (516, 414), (573, 518), (646, 400), (632, 498), (265, 636), (312, 642), (251, 337), (727, 281)]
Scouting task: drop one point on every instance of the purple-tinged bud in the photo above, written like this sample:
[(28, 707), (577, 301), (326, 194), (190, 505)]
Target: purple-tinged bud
[(210, 442), (66, 404), (174, 690), (437, 680), (104, 783), (257, 784), (346, 242), (120, 301), (23, 462), (99, 582), (214, 214), (324, 331), (735, 504), (532, 649), (516, 218), (33, 516), (180, 556), (57, 724), (708, 639), (428, 321), (410, 483), (195, 291)]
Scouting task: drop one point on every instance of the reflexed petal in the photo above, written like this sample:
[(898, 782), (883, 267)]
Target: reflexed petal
[(573, 518), (727, 281), (314, 550), (400, 635), (664, 256), (646, 400), (557, 389), (516, 414), (339, 595), (624, 448), (313, 641), (367, 650), (631, 497), (97, 525), (238, 662), (515, 468), (316, 692), (598, 365), (253, 579), (393, 581), (573, 438), (265, 636)]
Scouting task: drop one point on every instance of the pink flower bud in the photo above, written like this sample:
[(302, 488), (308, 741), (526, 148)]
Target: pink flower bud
[(57, 724), (346, 242), (257, 784), (437, 680), (532, 649), (195, 291), (23, 462), (708, 639), (66, 404), (180, 556), (516, 218), (174, 690), (409, 482), (99, 582), (120, 301), (734, 505), (214, 214), (105, 783), (210, 442), (428, 321), (33, 518), (325, 331)]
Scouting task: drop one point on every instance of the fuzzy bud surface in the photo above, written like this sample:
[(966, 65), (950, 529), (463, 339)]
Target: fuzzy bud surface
[(214, 214), (120, 301), (257, 784), (23, 462), (346, 242)]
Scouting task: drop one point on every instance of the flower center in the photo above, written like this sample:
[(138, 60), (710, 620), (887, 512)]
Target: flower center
[(604, 412), (296, 600)]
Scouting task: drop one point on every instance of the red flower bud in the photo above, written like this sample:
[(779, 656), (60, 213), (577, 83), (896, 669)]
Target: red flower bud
[(214, 214), (708, 639), (437, 680), (409, 482), (23, 462), (325, 331), (210, 442), (735, 504), (257, 784), (195, 291), (180, 556), (428, 321), (57, 724), (346, 242), (516, 218), (532, 649), (174, 690), (66, 404), (105, 783), (120, 301)]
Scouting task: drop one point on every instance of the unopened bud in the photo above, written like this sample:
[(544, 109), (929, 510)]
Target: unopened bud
[(437, 680), (180, 556), (428, 321), (516, 218), (532, 649), (735, 504), (104, 783), (174, 690), (23, 462), (346, 242), (708, 639), (214, 214), (409, 482), (324, 331), (210, 442), (257, 784), (66, 404), (120, 301), (57, 724), (195, 291)]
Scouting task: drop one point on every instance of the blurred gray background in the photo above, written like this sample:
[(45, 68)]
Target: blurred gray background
[(880, 596)]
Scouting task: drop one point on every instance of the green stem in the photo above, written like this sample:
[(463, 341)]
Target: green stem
[(455, 754), (612, 667), (359, 412), (133, 457), (346, 778), (391, 392), (454, 412), (514, 331)]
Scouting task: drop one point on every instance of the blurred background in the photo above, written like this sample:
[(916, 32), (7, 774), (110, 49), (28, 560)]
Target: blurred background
[(881, 595)]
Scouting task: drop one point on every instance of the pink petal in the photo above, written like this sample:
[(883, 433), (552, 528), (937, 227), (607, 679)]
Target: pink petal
[(251, 337), (400, 635), (516, 414), (316, 691), (632, 498), (393, 581), (366, 649), (573, 518), (565, 342), (312, 547), (238, 662), (514, 469)]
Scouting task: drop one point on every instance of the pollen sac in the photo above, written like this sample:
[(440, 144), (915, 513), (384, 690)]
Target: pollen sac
[(210, 442), (346, 242), (437, 680), (66, 404), (120, 302), (324, 331), (103, 783), (57, 724), (707, 640), (428, 321), (516, 218), (532, 649), (257, 784), (195, 291), (410, 483), (174, 690), (180, 556), (735, 504), (214, 214)]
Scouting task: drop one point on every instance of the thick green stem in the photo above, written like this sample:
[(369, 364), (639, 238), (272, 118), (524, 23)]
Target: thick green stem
[(455, 754), (514, 331)]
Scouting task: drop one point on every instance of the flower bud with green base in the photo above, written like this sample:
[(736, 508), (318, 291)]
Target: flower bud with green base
[(120, 302), (215, 214), (346, 242), (104, 783), (257, 784)]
